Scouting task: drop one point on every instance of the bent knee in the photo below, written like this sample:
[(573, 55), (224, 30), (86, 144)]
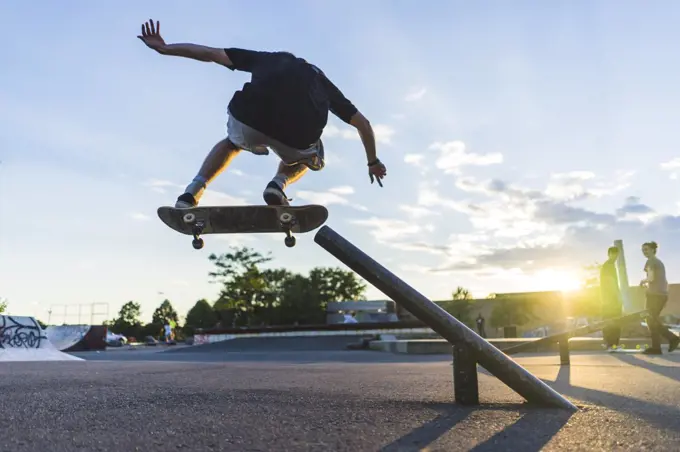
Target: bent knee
[(228, 144)]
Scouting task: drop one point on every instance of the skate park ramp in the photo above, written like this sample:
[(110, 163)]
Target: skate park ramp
[(277, 344), (66, 336), (23, 339), (77, 338)]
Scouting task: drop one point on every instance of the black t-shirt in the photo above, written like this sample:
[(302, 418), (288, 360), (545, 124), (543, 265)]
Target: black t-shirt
[(287, 99), (609, 282)]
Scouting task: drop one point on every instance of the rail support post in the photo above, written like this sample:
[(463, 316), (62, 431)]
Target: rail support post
[(465, 383), (564, 351)]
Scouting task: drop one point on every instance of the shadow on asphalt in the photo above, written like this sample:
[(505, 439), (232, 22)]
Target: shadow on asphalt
[(289, 357), (664, 368), (544, 422), (654, 413)]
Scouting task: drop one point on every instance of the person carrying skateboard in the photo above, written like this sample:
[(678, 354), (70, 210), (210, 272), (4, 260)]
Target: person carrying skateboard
[(283, 108), (610, 294), (656, 296)]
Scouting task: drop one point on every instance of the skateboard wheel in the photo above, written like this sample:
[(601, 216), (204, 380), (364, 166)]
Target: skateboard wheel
[(289, 241), (286, 217), (197, 243), (189, 218)]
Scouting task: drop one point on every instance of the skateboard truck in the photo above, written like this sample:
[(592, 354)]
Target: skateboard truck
[(287, 221), (196, 230)]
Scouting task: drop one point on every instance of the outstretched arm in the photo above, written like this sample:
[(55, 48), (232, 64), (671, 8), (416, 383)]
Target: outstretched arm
[(345, 110), (376, 169), (151, 36), (366, 134), (197, 52)]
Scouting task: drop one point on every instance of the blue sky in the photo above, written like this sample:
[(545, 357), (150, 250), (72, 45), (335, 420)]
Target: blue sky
[(521, 139)]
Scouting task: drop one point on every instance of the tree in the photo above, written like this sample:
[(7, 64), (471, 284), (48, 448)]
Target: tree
[(236, 263), (165, 312), (127, 323), (460, 305), (304, 299), (129, 313), (251, 295), (301, 302), (244, 286), (3, 305), (461, 293), (336, 284), (201, 315), (591, 275), (512, 312)]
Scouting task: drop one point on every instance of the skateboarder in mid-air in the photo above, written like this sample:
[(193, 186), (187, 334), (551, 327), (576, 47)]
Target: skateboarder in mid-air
[(283, 108)]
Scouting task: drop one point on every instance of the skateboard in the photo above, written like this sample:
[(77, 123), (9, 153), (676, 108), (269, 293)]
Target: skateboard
[(197, 221), (637, 349)]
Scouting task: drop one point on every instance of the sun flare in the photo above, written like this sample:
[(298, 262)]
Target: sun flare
[(561, 280)]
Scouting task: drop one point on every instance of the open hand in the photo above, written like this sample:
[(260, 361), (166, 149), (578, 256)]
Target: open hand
[(377, 171), (151, 35)]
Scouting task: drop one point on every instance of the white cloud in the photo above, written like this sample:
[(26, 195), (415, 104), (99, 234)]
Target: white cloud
[(671, 164), (429, 197), (159, 186), (414, 159), (209, 198), (579, 175), (453, 155), (236, 239), (138, 216), (218, 198), (383, 133), (417, 212), (332, 131), (385, 230), (322, 198), (342, 190), (415, 94), (327, 198), (572, 185), (538, 233)]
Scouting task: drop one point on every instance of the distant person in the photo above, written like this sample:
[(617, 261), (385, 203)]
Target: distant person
[(349, 318), (612, 306), (284, 108), (168, 331), (481, 322), (656, 297)]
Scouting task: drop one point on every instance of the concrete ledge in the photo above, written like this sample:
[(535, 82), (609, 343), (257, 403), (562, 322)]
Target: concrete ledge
[(442, 347), (200, 339)]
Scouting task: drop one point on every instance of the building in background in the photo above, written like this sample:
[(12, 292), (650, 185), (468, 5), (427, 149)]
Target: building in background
[(375, 311)]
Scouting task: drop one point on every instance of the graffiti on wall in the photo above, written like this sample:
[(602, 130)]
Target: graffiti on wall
[(21, 332)]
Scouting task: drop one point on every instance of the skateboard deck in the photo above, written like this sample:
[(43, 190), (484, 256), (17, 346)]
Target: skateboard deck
[(637, 349), (197, 221)]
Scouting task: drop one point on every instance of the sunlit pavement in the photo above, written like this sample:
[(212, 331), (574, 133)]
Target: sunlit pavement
[(330, 400)]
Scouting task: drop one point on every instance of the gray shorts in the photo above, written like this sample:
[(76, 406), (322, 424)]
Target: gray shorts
[(249, 139)]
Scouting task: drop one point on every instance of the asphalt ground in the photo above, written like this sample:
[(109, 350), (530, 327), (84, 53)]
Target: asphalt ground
[(329, 400)]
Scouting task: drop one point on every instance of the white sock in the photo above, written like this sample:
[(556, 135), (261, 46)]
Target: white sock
[(196, 187), (281, 180)]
